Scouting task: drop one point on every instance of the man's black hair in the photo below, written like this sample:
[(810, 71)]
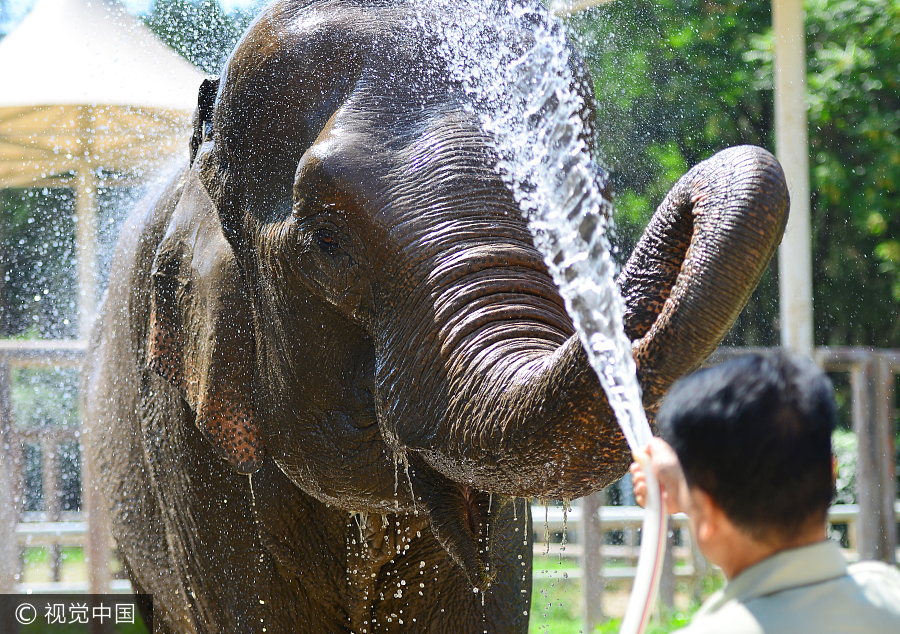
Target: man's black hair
[(755, 434)]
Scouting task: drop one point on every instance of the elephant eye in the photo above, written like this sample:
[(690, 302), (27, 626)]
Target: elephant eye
[(326, 241)]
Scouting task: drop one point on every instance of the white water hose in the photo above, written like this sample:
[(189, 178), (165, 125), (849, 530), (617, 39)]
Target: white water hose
[(650, 558)]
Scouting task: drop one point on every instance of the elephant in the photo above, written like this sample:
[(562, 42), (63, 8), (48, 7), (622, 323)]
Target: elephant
[(331, 367)]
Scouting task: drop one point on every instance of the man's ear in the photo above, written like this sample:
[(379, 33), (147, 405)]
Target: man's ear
[(201, 336), (706, 514), (203, 115)]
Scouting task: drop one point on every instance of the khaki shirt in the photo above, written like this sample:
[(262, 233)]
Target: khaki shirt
[(809, 589)]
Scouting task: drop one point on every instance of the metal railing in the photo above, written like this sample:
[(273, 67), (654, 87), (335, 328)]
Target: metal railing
[(873, 522), (69, 527), (629, 518), (549, 520)]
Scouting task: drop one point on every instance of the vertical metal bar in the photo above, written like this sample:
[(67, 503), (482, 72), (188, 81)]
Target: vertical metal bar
[(592, 560), (873, 524), (9, 512)]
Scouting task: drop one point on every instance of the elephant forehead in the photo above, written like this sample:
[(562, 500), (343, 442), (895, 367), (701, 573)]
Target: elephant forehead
[(311, 48), (449, 137), (379, 137), (446, 172), (344, 162), (406, 141)]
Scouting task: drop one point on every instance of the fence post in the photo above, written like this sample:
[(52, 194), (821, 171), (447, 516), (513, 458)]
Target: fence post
[(94, 511), (701, 569), (49, 444), (9, 549), (871, 422), (592, 560), (667, 578), (884, 384)]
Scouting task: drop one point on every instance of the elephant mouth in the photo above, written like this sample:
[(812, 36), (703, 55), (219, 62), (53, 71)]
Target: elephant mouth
[(477, 508), (461, 518), (470, 544)]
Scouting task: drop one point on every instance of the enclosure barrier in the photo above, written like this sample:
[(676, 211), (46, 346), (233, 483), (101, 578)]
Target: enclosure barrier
[(13, 438), (872, 523), (627, 519)]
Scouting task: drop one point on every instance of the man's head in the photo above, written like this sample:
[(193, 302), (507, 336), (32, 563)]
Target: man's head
[(755, 435)]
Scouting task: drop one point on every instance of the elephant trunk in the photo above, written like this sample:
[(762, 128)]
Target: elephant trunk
[(500, 396), (699, 260)]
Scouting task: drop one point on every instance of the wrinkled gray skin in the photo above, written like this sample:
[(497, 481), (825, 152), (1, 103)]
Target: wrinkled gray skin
[(336, 307)]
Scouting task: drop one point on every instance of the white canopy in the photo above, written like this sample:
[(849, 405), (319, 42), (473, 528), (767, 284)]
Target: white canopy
[(86, 89), (83, 84)]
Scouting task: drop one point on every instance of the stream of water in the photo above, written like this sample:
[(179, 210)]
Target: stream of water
[(524, 96)]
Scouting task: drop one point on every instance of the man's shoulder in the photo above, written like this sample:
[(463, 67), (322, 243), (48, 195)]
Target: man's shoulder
[(732, 617), (865, 600), (879, 582)]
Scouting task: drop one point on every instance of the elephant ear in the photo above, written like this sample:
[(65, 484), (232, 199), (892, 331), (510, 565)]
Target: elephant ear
[(201, 327), (202, 125)]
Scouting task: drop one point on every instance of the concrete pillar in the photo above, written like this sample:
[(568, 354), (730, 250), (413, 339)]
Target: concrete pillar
[(86, 248), (86, 226), (792, 150)]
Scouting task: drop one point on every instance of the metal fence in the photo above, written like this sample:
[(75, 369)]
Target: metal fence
[(15, 439), (871, 525)]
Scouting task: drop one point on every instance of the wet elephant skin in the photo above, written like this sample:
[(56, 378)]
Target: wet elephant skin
[(331, 366)]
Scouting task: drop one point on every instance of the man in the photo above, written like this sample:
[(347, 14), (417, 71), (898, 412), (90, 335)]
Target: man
[(747, 455)]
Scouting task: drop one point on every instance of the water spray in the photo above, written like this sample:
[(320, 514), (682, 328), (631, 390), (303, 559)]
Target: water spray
[(523, 94)]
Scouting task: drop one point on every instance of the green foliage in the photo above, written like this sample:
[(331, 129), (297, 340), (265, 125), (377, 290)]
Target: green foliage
[(854, 98), (677, 81), (669, 624), (44, 397), (38, 285), (199, 30), (844, 445), (37, 263), (672, 86), (556, 601), (556, 609)]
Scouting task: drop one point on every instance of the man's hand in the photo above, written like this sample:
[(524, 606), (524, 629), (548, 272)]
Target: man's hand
[(668, 471)]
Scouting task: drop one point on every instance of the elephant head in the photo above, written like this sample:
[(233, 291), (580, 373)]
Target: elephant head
[(349, 290)]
